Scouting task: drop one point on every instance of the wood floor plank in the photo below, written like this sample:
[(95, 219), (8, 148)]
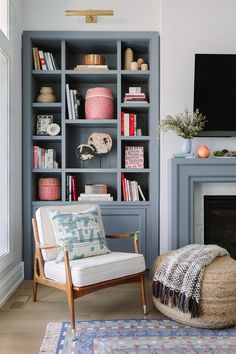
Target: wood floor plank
[(22, 330)]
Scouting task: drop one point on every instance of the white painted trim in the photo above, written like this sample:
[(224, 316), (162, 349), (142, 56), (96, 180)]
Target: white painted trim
[(11, 282)]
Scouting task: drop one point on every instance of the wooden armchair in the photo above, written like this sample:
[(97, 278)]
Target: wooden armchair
[(80, 277)]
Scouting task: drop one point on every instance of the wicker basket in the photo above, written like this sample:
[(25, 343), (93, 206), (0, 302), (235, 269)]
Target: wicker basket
[(217, 300), (49, 188)]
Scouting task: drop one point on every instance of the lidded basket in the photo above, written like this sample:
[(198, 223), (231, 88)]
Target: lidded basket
[(99, 103), (49, 188)]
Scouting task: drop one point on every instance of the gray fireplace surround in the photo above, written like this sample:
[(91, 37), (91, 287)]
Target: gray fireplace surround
[(184, 174)]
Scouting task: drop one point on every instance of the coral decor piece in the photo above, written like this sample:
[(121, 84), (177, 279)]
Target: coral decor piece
[(101, 143), (203, 151), (99, 103)]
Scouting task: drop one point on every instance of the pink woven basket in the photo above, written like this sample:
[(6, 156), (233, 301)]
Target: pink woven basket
[(49, 188), (99, 103)]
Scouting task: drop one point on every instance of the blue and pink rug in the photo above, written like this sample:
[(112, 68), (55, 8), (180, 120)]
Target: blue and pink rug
[(137, 336)]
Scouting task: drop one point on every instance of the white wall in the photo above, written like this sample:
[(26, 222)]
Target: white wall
[(189, 27), (186, 27), (11, 266), (130, 15)]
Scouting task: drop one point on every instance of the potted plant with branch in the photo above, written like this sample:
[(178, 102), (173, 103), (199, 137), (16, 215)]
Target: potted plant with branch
[(186, 125)]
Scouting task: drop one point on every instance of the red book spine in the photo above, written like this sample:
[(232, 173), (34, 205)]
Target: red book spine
[(35, 158), (123, 187), (131, 125), (74, 195), (122, 123), (42, 60)]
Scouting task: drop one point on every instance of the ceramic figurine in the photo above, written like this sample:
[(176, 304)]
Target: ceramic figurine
[(46, 95), (144, 66), (129, 58), (134, 66), (140, 61), (203, 151)]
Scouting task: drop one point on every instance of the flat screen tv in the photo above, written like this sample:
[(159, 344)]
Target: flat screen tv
[(215, 93)]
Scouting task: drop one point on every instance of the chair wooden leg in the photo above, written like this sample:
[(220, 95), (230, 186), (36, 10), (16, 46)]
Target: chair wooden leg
[(35, 288), (143, 293), (72, 313)]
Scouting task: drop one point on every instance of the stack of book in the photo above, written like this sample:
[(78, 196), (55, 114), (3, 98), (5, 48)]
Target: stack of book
[(93, 197), (44, 158), (128, 124), (73, 103), (131, 190), (90, 67), (135, 95), (71, 194), (95, 189), (95, 192), (44, 60)]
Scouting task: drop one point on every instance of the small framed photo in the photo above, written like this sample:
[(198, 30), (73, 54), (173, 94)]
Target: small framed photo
[(42, 124)]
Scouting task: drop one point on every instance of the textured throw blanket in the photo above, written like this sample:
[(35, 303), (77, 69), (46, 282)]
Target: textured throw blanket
[(179, 277)]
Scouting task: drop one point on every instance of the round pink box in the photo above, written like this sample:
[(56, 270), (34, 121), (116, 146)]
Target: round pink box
[(49, 188), (99, 103)]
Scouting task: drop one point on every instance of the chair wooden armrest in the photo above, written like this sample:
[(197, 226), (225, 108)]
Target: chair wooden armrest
[(48, 247), (38, 259), (134, 234)]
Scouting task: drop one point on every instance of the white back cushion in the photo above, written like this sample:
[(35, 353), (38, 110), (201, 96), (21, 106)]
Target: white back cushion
[(45, 227)]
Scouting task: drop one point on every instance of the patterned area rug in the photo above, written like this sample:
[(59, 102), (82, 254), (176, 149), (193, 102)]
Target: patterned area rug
[(136, 336)]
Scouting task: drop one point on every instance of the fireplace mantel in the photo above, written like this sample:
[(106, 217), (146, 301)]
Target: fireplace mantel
[(184, 173)]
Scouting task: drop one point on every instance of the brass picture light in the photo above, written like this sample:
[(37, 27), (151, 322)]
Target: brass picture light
[(90, 15)]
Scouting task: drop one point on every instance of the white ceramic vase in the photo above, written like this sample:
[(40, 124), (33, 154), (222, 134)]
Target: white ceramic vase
[(187, 146)]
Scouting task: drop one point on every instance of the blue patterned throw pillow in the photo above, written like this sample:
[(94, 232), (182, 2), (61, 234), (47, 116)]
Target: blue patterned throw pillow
[(81, 230)]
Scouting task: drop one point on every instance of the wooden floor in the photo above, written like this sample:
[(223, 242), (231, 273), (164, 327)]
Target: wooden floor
[(23, 322)]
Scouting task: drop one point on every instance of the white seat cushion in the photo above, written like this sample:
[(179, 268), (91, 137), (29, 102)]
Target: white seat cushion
[(96, 269)]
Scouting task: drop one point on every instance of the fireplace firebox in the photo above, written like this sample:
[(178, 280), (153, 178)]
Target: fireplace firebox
[(220, 222)]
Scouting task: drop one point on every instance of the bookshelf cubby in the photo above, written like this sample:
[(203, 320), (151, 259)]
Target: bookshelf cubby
[(68, 49)]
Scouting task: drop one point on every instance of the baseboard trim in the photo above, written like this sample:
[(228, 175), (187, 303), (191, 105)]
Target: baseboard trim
[(11, 282)]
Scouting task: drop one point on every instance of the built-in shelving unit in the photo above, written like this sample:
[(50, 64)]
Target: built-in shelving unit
[(69, 48)]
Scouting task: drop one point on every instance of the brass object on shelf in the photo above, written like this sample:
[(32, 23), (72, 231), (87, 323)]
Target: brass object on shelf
[(90, 15), (93, 59)]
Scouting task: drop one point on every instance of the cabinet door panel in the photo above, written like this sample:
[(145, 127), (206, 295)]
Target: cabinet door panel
[(124, 220)]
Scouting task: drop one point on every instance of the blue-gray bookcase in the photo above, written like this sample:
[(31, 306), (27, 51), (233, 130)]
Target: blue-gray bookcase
[(68, 48)]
